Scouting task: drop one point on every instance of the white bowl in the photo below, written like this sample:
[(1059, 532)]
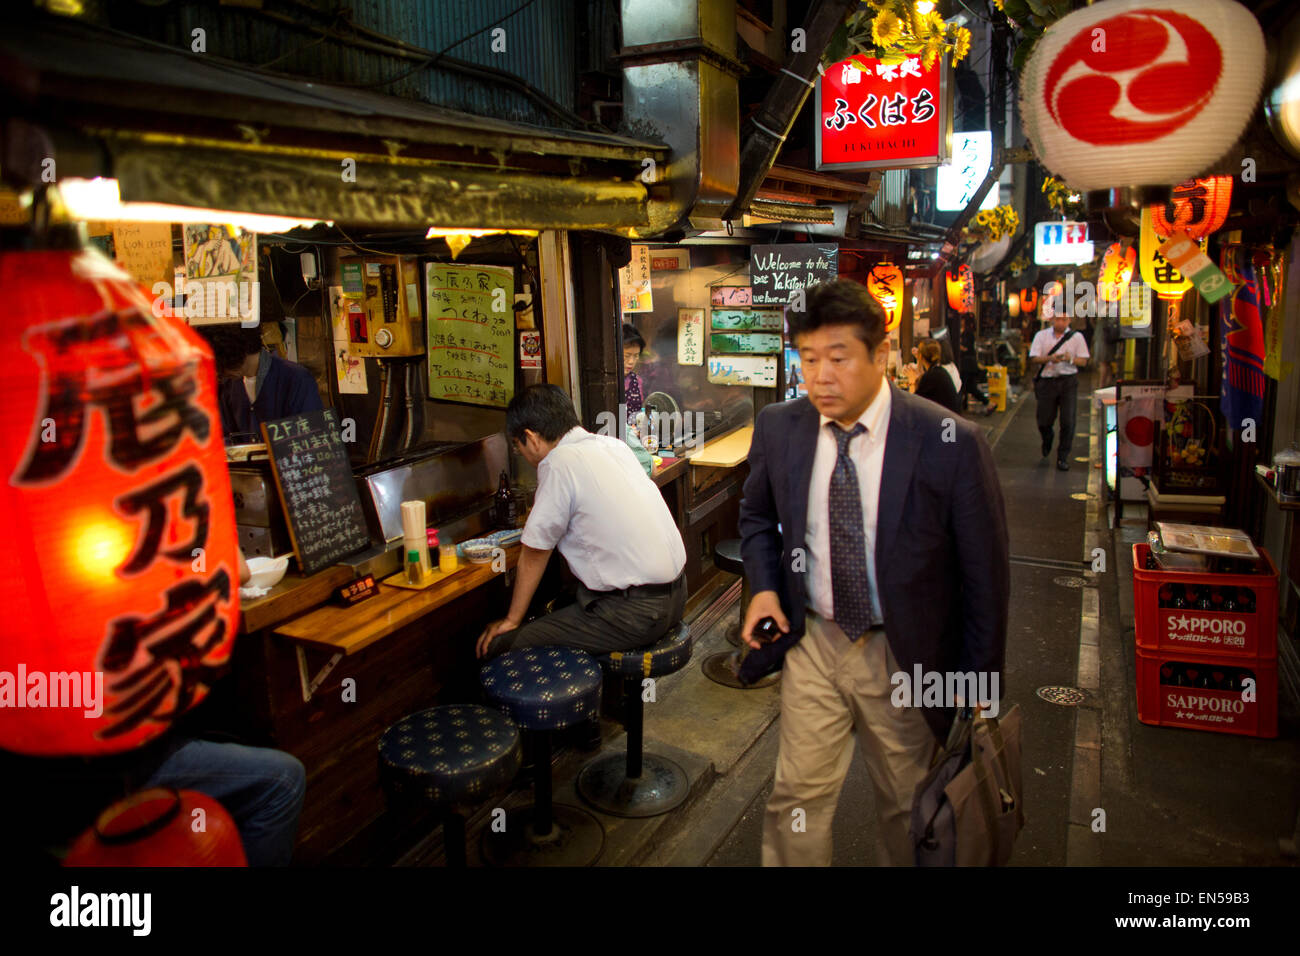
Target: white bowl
[(266, 572)]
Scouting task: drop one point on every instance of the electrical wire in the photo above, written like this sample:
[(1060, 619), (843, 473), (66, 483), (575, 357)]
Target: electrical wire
[(430, 61)]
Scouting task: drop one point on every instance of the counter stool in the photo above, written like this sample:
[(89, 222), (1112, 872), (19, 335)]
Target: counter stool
[(721, 667), (544, 689), (453, 757), (642, 785), (726, 555)]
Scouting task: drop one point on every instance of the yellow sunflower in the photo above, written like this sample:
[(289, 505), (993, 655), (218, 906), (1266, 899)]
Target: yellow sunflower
[(961, 45), (886, 29), (998, 4), (929, 25), (932, 51)]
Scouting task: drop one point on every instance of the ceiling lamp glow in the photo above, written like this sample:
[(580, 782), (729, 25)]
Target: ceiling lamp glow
[(99, 200), (458, 239), (1142, 92)]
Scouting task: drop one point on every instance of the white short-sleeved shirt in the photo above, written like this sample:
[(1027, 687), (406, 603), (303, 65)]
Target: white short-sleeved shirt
[(1076, 348), (596, 504)]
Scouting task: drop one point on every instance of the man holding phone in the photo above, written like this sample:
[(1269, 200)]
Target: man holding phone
[(874, 536)]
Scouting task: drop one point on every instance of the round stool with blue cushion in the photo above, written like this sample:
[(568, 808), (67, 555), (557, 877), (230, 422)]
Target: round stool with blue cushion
[(453, 757), (642, 785), (544, 689)]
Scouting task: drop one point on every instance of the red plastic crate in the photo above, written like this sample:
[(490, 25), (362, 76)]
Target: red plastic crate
[(1206, 708), (1202, 632)]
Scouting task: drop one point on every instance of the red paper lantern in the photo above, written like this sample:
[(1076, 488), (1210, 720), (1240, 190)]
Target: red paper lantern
[(885, 283), (961, 290), (1198, 207), (119, 578), (1029, 301), (1116, 272), (161, 827)]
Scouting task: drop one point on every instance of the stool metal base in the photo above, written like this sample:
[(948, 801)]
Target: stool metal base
[(605, 785), (576, 839), (733, 636), (717, 668)]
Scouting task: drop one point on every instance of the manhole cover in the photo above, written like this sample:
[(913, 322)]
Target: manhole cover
[(717, 668), (1082, 496), (1065, 696), (1070, 581)]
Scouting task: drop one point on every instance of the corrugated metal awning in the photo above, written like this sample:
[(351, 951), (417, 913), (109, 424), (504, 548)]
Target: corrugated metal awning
[(194, 130)]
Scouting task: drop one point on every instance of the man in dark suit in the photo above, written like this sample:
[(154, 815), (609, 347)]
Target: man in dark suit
[(874, 532)]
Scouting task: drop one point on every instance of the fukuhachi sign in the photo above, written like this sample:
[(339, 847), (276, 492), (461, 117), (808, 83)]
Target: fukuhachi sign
[(1141, 92), (884, 115)]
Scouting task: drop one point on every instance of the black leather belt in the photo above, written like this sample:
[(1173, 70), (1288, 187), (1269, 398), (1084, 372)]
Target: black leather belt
[(647, 590)]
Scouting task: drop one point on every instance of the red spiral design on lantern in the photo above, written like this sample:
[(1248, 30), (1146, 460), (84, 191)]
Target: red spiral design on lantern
[(1173, 91)]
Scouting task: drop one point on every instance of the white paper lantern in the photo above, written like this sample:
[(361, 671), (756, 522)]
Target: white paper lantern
[(1142, 92)]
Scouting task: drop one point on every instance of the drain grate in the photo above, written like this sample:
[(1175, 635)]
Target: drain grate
[(1065, 696), (1070, 581)]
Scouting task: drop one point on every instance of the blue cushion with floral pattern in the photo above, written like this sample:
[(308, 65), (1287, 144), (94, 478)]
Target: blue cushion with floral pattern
[(544, 688), (670, 654), (454, 754)]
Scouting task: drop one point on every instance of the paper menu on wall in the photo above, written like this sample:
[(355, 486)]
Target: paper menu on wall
[(144, 249), (634, 282), (471, 331), (690, 336), (350, 369)]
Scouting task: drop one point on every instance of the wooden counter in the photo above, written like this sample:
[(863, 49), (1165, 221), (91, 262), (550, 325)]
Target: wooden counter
[(293, 595), (726, 452), (350, 629)]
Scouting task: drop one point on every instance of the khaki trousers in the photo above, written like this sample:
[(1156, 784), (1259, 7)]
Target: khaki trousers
[(832, 689)]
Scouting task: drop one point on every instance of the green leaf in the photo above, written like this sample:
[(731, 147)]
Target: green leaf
[(1040, 7), (1062, 7), (838, 47), (1022, 55), (1017, 10)]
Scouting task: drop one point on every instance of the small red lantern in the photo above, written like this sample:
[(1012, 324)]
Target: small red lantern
[(161, 827), (1028, 301), (961, 290), (1116, 272), (885, 283), (119, 578), (1198, 207)]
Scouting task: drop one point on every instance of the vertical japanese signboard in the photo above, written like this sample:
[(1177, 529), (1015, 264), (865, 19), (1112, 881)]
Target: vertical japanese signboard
[(690, 336), (972, 155), (471, 329), (884, 115), (634, 282)]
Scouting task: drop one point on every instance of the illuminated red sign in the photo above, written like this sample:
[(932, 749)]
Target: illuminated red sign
[(885, 115)]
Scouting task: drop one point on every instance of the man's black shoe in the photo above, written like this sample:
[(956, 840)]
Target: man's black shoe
[(1062, 466), (1047, 447)]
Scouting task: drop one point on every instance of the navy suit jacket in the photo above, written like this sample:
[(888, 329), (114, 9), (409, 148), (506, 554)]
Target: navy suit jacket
[(942, 555), (289, 389)]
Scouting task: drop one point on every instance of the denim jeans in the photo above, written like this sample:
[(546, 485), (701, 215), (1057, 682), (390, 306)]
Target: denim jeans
[(261, 788)]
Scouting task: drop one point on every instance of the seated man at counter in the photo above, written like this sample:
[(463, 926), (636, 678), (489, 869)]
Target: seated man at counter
[(254, 385), (607, 518)]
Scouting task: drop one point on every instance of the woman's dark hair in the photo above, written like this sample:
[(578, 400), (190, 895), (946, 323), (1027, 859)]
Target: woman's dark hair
[(842, 302), (945, 347), (632, 337), (231, 345), (930, 350), (544, 409)]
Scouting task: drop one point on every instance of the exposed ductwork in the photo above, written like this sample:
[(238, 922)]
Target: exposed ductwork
[(680, 88)]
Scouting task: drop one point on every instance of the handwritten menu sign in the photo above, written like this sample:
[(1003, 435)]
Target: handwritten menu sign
[(634, 282), (731, 295), (748, 320), (316, 487), (777, 272), (145, 250), (742, 370), (690, 336), (471, 331), (754, 343)]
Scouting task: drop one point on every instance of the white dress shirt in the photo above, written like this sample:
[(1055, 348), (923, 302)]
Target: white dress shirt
[(596, 504), (868, 453), (1076, 348)]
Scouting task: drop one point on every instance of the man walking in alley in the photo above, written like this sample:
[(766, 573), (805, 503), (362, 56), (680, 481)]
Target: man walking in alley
[(1057, 354), (874, 533)]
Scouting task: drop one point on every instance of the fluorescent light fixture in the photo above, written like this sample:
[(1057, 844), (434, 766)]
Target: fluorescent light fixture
[(100, 200)]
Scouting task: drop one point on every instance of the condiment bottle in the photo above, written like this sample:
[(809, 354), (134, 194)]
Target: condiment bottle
[(413, 575), (447, 560)]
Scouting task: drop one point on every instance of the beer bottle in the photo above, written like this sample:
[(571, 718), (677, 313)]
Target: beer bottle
[(1195, 677), (1216, 599), (504, 503), (1180, 601), (1247, 600), (1218, 681), (1203, 599), (1167, 674), (1166, 595), (1230, 600)]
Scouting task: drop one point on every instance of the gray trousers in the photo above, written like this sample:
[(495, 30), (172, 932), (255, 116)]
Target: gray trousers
[(601, 622)]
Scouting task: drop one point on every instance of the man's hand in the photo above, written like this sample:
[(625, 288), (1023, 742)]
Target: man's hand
[(761, 605), (491, 631)]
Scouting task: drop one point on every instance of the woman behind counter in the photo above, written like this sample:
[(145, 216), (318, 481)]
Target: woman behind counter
[(633, 387)]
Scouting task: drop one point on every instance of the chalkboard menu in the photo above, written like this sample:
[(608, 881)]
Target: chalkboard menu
[(316, 487), (471, 328), (777, 272)]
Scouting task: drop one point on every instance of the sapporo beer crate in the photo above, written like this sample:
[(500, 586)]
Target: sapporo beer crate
[(1196, 612), (1199, 692)]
